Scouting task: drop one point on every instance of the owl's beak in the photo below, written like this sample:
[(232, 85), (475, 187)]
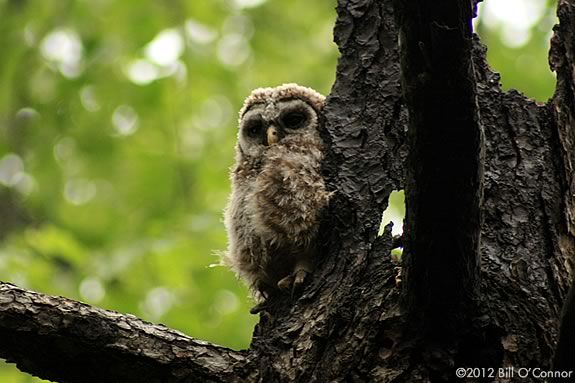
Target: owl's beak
[(272, 135)]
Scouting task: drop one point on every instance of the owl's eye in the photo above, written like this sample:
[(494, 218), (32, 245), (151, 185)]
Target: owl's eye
[(293, 120), (254, 128)]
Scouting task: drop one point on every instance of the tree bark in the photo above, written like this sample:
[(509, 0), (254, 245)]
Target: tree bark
[(562, 61), (348, 325), (445, 165), (67, 341)]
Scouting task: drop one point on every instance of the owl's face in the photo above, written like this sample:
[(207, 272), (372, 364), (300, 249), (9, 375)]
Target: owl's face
[(272, 115)]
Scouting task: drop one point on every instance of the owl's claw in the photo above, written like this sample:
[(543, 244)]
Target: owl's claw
[(293, 281), (299, 278), (259, 307), (286, 283)]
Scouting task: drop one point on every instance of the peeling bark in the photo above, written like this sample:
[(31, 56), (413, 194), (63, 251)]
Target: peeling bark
[(347, 324)]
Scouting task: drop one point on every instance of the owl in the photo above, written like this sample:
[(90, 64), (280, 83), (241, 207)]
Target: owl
[(278, 192)]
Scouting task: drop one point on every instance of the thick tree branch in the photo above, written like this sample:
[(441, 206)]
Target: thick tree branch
[(562, 61), (67, 341), (444, 170)]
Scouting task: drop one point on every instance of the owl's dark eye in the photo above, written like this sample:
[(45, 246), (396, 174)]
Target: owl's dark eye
[(293, 120), (254, 128)]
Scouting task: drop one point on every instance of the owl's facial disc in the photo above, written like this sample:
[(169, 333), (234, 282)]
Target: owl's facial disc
[(295, 115), (266, 124)]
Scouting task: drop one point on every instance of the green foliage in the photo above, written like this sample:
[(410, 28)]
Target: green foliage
[(117, 126), (118, 123), (517, 34)]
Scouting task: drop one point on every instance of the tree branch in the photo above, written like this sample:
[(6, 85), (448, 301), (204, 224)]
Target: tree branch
[(67, 341), (562, 61), (444, 170)]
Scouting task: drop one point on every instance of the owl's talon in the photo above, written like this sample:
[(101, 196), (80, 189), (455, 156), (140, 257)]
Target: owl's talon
[(293, 281), (299, 278), (286, 283), (259, 308)]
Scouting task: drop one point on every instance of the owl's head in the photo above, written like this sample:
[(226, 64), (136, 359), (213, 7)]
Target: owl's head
[(271, 115)]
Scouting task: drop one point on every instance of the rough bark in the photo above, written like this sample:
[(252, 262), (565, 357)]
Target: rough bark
[(562, 61), (67, 341), (347, 324)]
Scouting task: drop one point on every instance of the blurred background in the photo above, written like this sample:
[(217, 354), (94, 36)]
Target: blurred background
[(117, 127)]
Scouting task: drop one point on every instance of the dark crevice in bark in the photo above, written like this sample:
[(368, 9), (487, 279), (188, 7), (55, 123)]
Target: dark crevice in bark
[(563, 359), (550, 248), (512, 138)]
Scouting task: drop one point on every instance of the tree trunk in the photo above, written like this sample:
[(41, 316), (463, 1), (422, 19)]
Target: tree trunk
[(351, 323), (445, 166)]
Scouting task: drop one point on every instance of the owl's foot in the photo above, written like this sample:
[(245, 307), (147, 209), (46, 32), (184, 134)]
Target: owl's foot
[(261, 292), (262, 306), (293, 281)]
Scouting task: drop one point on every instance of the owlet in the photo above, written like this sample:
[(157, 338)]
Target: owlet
[(278, 192)]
